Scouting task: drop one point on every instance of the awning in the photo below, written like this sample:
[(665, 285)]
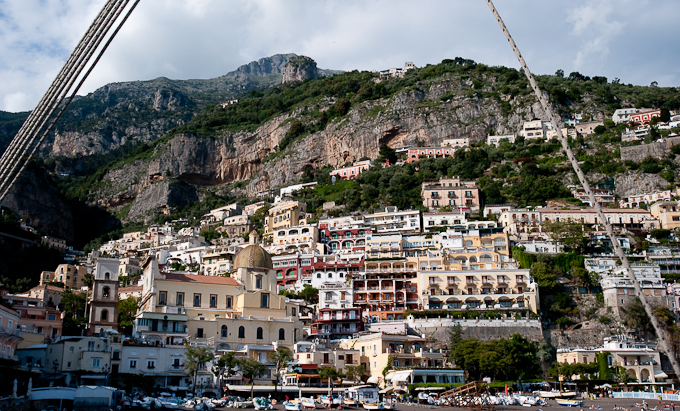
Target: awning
[(661, 374), (402, 376)]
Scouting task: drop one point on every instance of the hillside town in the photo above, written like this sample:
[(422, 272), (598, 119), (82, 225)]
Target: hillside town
[(267, 296)]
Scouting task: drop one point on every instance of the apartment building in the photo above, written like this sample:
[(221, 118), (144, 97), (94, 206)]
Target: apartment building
[(668, 214), (457, 143), (301, 238), (336, 317), (601, 196), (644, 117), (71, 276), (320, 269), (394, 221), (435, 221), (529, 220), (617, 287), (418, 153), (351, 172), (10, 334), (344, 238), (218, 260), (641, 361), (538, 129), (85, 360), (251, 209), (164, 364), (497, 140), (287, 267), (318, 354), (378, 351), (481, 289), (236, 226), (622, 115), (37, 314), (636, 200), (452, 192), (285, 215)]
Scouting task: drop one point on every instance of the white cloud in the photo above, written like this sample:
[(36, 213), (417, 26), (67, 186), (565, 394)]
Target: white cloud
[(207, 38)]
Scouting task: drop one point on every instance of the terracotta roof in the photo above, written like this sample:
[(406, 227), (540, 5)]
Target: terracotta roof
[(8, 310), (48, 287), (130, 289), (203, 279)]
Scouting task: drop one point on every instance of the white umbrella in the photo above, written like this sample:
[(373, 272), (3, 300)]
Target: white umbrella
[(30, 386)]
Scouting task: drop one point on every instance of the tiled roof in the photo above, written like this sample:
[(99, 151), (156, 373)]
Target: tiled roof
[(203, 279), (130, 289)]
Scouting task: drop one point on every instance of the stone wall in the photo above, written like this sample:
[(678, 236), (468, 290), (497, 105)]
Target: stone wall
[(484, 330), (657, 150)]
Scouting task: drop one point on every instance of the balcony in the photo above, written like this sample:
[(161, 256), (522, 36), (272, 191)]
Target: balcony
[(179, 367), (452, 195)]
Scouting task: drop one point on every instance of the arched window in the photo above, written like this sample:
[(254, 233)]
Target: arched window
[(106, 291), (224, 331), (259, 333), (282, 334), (104, 315), (106, 276), (241, 332)]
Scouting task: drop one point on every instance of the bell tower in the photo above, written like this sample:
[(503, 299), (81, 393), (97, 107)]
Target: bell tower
[(104, 303)]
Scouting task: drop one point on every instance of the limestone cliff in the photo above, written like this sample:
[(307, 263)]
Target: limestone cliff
[(408, 118), (299, 68)]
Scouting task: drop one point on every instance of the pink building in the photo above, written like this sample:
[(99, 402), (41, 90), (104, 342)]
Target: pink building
[(351, 172), (644, 117), (415, 154), (9, 335)]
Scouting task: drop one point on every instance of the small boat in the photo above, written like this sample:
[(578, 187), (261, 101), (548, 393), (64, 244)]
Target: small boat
[(308, 402), (569, 403), (373, 406), (350, 401), (292, 406), (262, 403), (567, 394)]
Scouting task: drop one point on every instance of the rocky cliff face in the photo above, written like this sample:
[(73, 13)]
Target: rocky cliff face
[(299, 68), (407, 119)]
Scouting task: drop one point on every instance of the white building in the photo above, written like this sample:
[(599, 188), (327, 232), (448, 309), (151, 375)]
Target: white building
[(497, 140), (393, 220), (622, 115), (457, 142)]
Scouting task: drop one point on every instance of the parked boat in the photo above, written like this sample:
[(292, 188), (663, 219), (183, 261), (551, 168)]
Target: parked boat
[(373, 406), (308, 402), (569, 403), (262, 403), (292, 406)]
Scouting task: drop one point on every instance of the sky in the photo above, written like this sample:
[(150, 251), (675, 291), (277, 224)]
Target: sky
[(634, 41)]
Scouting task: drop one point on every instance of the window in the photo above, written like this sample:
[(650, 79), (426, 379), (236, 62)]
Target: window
[(51, 317), (241, 332), (68, 364), (70, 349), (224, 331), (106, 276), (294, 311), (264, 301), (180, 299), (105, 315), (197, 300), (258, 282), (318, 275), (282, 334), (106, 291), (259, 333), (228, 302), (151, 364), (116, 355), (162, 298), (90, 345), (199, 333), (96, 362), (213, 301)]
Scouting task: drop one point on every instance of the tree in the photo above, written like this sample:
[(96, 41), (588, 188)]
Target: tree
[(559, 73), (281, 357), (568, 233), (225, 367), (665, 115), (196, 357), (251, 369), (88, 280), (387, 153), (330, 373), (355, 372), (637, 318), (544, 275), (126, 313), (310, 294)]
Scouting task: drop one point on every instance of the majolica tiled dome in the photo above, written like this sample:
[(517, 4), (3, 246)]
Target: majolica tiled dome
[(253, 256)]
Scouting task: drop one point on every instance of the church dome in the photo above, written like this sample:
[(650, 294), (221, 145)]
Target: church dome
[(253, 256)]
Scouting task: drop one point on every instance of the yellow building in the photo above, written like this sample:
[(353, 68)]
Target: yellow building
[(285, 215), (227, 312), (71, 275), (668, 214)]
